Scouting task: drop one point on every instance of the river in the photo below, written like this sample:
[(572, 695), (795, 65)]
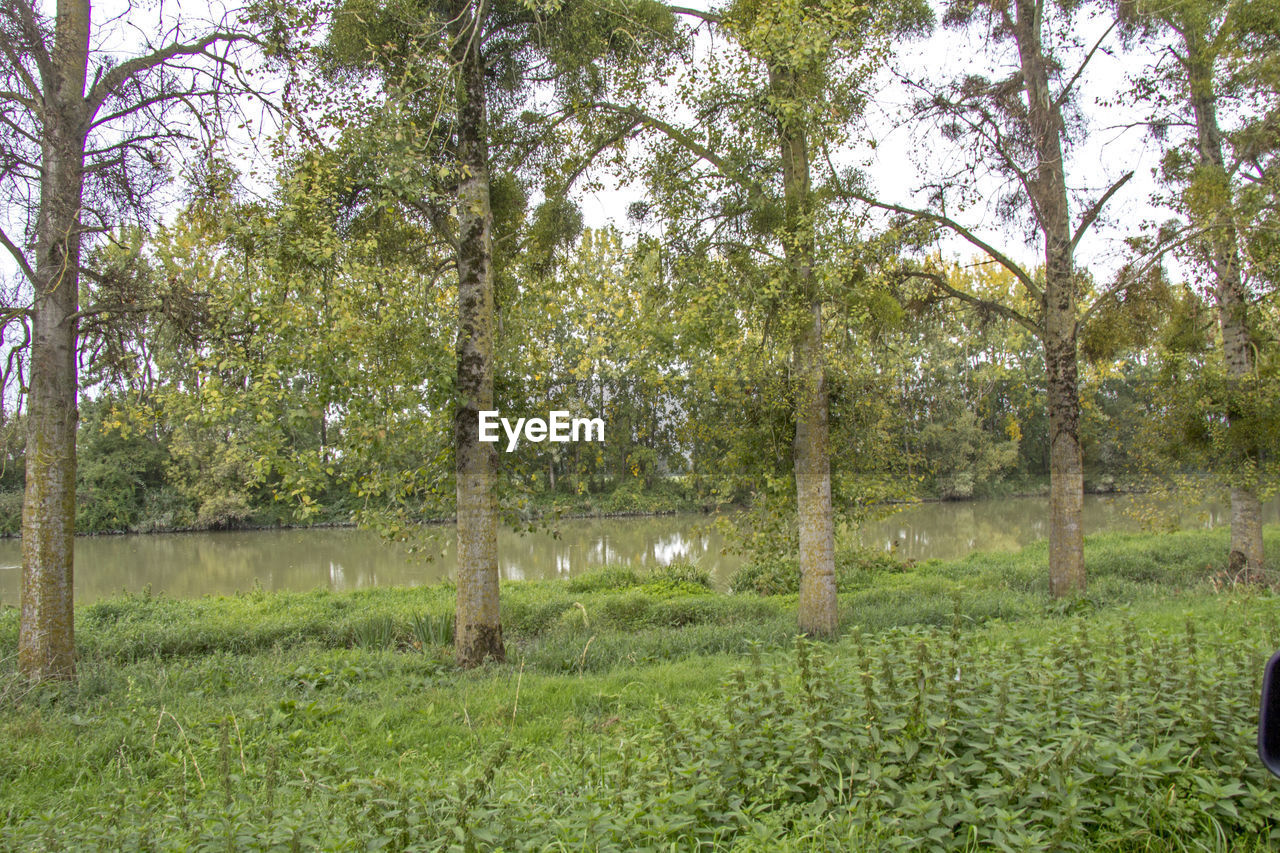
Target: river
[(185, 565)]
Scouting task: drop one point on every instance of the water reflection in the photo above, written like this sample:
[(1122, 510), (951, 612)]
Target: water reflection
[(185, 565), (950, 530)]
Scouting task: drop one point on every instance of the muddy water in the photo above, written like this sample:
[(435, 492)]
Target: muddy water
[(186, 565)]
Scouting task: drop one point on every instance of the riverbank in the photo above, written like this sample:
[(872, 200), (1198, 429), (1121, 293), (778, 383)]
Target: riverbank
[(539, 510), (666, 498), (674, 714)]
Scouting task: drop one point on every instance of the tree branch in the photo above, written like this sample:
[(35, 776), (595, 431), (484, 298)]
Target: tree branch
[(118, 308), (940, 282), (1066, 90), (19, 98), (35, 44), (601, 144), (995, 254), (151, 101), (438, 224), (709, 17), (20, 131), (18, 256), (1092, 213), (125, 71), (690, 144), (1128, 277), (133, 141)]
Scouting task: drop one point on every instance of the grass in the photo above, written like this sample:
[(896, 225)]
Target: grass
[(646, 710)]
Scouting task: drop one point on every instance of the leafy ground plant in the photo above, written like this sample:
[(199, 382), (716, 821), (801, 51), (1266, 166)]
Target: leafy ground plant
[(672, 718)]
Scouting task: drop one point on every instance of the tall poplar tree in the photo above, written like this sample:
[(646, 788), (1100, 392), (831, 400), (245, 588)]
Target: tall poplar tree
[(770, 112), (1227, 176), (82, 138), (1015, 126), (467, 76)]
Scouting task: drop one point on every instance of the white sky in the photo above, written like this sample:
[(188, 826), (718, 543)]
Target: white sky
[(903, 159), (900, 162)]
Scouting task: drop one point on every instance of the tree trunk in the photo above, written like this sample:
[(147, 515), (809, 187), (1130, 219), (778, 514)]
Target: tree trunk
[(1246, 554), (819, 614), (477, 625), (818, 610), (46, 640), (1048, 188), (1066, 469)]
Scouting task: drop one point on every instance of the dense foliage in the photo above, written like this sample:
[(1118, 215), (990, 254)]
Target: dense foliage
[(284, 422), (674, 715)]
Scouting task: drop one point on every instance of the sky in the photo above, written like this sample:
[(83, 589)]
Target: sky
[(904, 158)]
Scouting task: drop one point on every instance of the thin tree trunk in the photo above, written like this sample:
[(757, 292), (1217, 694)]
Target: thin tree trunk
[(1246, 554), (46, 640), (1049, 197), (818, 610), (478, 627)]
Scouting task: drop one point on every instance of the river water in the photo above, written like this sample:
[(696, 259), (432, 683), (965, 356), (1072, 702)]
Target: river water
[(185, 565)]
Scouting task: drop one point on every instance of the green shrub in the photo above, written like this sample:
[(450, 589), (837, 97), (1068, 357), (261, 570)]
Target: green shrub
[(681, 577), (767, 576), (11, 512), (854, 567), (607, 577)]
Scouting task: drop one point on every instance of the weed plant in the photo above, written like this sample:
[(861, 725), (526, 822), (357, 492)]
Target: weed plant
[(960, 710)]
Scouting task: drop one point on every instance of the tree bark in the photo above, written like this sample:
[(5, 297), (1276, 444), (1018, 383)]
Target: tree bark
[(1048, 189), (46, 640), (1246, 554), (818, 605), (818, 610), (477, 623)]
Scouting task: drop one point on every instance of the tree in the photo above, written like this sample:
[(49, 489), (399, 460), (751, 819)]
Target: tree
[(82, 136), (464, 74), (767, 114), (596, 337), (1223, 57), (1016, 127)]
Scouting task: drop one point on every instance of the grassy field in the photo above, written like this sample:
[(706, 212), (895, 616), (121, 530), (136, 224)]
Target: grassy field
[(961, 709)]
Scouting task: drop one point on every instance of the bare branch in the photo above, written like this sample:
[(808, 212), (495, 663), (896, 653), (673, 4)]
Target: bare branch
[(1092, 213), (1066, 90), (988, 130), (19, 98), (35, 43), (438, 223), (133, 141), (32, 102), (19, 130), (125, 71), (940, 282), (624, 132), (690, 144), (18, 256), (1132, 274), (161, 98), (118, 308)]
